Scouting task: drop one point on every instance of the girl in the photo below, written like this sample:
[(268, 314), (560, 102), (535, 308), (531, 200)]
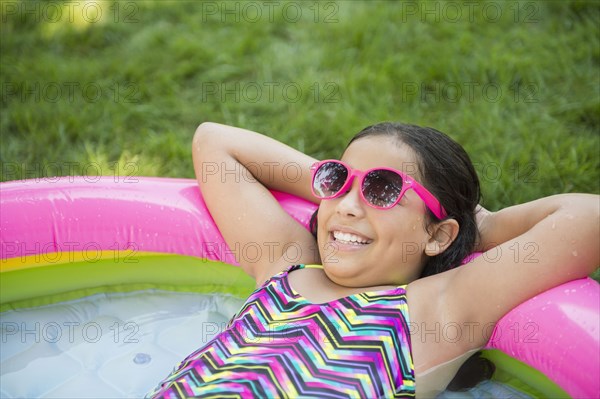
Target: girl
[(357, 309)]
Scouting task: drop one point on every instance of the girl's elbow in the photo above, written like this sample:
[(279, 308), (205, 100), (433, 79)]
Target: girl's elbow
[(204, 138), (202, 131)]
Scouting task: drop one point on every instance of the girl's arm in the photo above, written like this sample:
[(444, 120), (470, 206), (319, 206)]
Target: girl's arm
[(235, 169), (532, 247), (496, 228)]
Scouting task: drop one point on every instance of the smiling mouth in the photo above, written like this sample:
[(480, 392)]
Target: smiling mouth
[(348, 238)]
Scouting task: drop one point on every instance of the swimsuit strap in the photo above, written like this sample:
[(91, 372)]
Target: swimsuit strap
[(313, 266), (300, 266)]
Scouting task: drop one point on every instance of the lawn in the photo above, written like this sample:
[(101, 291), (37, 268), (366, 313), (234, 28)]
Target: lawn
[(101, 87)]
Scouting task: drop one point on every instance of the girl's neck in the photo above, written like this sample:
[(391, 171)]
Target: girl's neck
[(312, 283)]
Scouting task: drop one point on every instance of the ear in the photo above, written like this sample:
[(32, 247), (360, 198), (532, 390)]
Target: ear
[(442, 236)]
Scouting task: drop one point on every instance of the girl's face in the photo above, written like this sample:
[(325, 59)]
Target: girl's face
[(362, 246)]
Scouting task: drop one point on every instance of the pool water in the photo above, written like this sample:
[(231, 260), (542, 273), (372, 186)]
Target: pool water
[(107, 345), (486, 390)]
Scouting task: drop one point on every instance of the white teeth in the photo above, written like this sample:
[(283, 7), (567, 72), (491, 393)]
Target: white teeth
[(348, 238)]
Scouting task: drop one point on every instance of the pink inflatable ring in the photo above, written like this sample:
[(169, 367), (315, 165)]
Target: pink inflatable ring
[(547, 346)]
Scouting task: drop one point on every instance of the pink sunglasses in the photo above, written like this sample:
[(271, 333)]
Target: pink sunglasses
[(381, 188)]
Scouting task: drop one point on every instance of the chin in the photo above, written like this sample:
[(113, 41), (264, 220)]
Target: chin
[(343, 273)]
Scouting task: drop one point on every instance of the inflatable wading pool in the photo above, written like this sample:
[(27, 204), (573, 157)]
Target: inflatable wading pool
[(107, 282)]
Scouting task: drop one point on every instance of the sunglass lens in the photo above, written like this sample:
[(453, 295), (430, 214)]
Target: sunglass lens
[(329, 179), (382, 188)]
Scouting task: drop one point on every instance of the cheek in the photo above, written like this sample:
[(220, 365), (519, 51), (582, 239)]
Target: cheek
[(322, 216), (417, 225), (407, 229), (389, 231), (326, 209)]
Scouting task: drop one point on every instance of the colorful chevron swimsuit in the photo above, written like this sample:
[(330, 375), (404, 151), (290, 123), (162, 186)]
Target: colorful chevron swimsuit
[(281, 345)]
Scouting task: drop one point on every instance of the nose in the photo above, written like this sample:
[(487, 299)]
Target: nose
[(351, 204)]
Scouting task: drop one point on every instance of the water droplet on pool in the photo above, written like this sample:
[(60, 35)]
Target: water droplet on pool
[(142, 358)]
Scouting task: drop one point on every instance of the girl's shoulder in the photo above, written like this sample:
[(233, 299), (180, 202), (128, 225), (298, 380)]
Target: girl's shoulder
[(440, 332)]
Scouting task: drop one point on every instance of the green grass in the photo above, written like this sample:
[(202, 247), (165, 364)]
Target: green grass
[(147, 73)]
